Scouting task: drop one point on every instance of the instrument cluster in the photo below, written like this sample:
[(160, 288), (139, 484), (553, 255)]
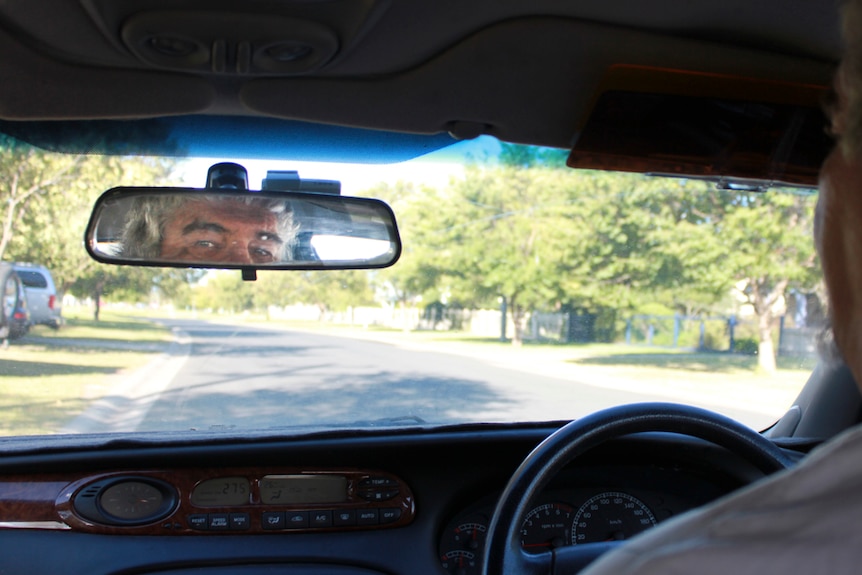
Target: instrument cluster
[(576, 510)]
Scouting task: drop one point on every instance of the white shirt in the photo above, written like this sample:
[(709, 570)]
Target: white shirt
[(807, 519)]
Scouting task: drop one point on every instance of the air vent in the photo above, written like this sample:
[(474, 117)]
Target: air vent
[(90, 492), (229, 44)]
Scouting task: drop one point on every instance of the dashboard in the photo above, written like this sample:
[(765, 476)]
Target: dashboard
[(415, 502)]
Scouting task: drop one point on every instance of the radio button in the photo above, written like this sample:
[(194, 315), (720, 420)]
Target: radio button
[(296, 519), (272, 520), (366, 517), (389, 516), (378, 494), (218, 521), (320, 518), (198, 522), (376, 481), (239, 521), (344, 518)]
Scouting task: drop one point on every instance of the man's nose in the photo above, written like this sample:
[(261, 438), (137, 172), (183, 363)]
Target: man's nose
[(238, 253)]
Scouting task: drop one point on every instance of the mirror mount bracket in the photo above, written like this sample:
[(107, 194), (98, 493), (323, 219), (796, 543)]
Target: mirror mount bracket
[(249, 274), (227, 175), (289, 180)]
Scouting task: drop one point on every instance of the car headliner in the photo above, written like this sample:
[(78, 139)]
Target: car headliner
[(525, 72)]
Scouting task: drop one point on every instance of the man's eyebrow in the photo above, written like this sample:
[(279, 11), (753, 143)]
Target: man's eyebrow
[(198, 225), (270, 236)]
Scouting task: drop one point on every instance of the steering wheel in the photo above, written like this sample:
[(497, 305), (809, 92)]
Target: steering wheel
[(503, 552)]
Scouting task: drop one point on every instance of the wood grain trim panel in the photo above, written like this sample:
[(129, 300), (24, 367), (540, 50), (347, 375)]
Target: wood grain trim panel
[(29, 499)]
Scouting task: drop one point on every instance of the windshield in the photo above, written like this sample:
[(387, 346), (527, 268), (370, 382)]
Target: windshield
[(525, 292)]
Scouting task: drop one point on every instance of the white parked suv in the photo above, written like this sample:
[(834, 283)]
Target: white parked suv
[(42, 300)]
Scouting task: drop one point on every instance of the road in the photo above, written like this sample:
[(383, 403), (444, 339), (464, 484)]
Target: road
[(238, 377)]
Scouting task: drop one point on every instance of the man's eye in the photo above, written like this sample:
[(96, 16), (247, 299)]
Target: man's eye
[(262, 255), (204, 244)]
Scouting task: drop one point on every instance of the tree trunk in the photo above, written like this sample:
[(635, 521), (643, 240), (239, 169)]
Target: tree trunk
[(97, 300), (765, 348), (97, 304), (765, 307), (519, 316)]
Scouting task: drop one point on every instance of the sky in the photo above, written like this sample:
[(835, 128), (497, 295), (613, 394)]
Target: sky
[(435, 169)]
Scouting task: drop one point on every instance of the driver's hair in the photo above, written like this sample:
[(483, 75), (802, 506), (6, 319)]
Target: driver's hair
[(146, 219), (851, 76)]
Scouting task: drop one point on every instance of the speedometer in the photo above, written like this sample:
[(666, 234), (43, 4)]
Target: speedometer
[(610, 516)]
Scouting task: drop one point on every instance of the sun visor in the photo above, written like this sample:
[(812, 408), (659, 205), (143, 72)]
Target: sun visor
[(739, 132)]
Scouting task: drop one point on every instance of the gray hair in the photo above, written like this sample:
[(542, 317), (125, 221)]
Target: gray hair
[(148, 215)]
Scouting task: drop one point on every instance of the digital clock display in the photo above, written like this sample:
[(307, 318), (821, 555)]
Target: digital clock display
[(290, 489), (221, 492)]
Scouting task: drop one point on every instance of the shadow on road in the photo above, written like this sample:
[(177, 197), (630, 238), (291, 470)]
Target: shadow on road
[(328, 401)]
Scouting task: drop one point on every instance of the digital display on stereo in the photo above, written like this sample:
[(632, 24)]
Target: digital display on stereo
[(221, 491), (290, 489)]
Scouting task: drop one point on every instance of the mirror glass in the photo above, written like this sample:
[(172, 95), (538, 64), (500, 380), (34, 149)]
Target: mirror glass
[(188, 227)]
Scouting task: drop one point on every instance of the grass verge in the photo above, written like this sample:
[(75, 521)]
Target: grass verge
[(49, 377)]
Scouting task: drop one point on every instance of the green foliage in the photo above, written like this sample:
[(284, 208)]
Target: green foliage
[(545, 239), (48, 198), (716, 336), (225, 291), (519, 156), (745, 346), (328, 290), (418, 274)]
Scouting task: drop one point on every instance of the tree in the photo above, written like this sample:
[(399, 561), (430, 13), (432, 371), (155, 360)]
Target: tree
[(225, 290), (102, 280), (48, 198), (417, 274), (637, 241), (328, 290), (29, 174), (520, 156), (771, 250), (498, 235)]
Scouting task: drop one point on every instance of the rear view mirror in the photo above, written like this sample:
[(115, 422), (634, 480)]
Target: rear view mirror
[(231, 229)]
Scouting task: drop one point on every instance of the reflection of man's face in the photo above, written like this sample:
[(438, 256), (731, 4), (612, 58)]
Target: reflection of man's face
[(221, 231)]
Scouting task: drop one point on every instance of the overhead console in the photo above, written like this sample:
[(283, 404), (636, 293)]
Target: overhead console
[(208, 501)]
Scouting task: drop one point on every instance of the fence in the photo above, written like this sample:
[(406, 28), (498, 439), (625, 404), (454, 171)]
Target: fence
[(799, 341), (712, 333)]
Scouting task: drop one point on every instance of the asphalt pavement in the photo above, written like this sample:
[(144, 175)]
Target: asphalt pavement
[(226, 376)]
